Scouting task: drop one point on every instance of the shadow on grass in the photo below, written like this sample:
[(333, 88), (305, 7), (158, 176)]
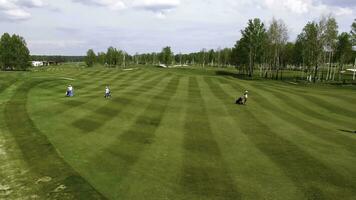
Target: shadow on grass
[(233, 74), (347, 131)]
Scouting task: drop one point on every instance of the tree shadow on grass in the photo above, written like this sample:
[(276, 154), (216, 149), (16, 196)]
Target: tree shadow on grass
[(347, 131), (233, 75)]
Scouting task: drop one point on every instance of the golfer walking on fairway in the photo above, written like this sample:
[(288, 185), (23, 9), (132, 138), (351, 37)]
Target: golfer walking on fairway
[(107, 92), (70, 91), (243, 99)]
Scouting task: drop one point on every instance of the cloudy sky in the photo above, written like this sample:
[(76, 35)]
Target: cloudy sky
[(71, 27)]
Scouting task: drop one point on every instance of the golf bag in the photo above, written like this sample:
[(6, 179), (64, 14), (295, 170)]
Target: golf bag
[(107, 95), (240, 101), (69, 93)]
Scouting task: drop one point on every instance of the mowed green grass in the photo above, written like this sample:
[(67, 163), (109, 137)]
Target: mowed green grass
[(177, 134)]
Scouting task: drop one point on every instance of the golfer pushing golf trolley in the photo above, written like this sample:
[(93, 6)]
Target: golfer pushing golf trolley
[(70, 91), (107, 92), (243, 99)]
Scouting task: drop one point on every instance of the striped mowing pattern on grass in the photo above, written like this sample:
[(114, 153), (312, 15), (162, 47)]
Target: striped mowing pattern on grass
[(40, 155), (177, 134), (204, 172)]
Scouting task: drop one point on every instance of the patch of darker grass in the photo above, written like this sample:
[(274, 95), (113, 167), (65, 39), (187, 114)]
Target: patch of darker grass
[(302, 168), (308, 126), (107, 115), (204, 173), (126, 150), (40, 155)]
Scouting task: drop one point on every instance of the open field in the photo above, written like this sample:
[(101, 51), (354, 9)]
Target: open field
[(173, 134)]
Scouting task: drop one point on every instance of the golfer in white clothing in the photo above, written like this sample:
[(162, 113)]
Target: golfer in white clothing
[(107, 92)]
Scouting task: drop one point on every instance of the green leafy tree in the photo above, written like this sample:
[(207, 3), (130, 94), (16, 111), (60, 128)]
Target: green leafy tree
[(353, 32), (288, 56), (101, 58), (240, 55), (166, 56), (14, 54), (353, 35), (225, 56), (312, 41), (343, 50), (299, 52), (111, 56), (21, 52), (6, 52), (253, 37), (211, 57), (90, 59), (330, 38), (277, 36)]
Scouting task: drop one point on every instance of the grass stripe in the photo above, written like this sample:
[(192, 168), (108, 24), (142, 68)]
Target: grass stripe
[(40, 155), (204, 173), (258, 177), (321, 102), (108, 111), (294, 104), (66, 104), (302, 168), (73, 103), (164, 156), (322, 133), (126, 150)]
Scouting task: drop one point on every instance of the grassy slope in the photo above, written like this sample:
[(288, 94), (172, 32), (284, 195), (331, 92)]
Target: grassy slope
[(176, 134)]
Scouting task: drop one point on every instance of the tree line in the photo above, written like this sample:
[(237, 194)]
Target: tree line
[(57, 58), (116, 58), (320, 52)]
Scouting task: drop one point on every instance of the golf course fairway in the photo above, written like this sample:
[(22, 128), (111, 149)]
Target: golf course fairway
[(173, 134)]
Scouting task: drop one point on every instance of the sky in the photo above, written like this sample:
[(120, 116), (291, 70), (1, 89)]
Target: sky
[(71, 27)]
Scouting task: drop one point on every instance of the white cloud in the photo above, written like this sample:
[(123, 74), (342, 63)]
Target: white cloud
[(132, 25), (55, 43), (112, 4), (309, 6), (343, 11), (159, 7), (16, 14), (55, 46), (156, 5), (295, 6), (32, 3), (18, 9)]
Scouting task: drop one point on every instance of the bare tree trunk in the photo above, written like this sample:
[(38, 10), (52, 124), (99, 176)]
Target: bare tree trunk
[(250, 63), (265, 73), (124, 61), (340, 71), (281, 76), (329, 68), (333, 73), (354, 76), (315, 72)]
